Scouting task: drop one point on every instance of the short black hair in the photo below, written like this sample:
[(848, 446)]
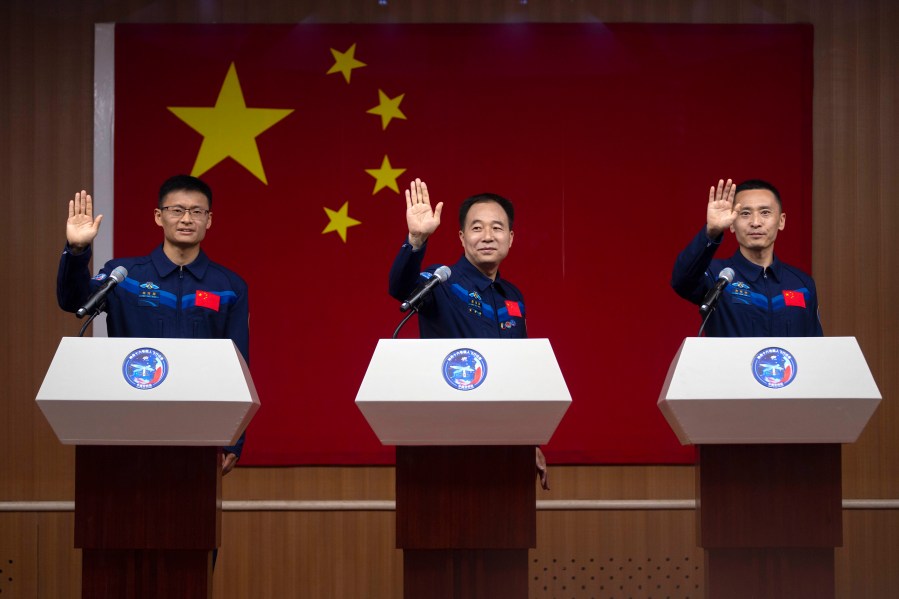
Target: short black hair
[(486, 197), (759, 184), (184, 183)]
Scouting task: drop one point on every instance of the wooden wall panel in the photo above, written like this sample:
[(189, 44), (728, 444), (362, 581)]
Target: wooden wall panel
[(37, 559), (866, 564), (59, 563), (315, 555), (309, 483), (616, 554), (46, 68), (579, 554), (18, 555), (308, 555), (377, 483)]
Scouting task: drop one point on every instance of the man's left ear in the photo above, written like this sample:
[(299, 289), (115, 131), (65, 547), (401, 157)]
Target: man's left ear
[(783, 221), (209, 220), (511, 237)]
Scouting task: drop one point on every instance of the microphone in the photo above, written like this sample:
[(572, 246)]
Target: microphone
[(440, 276), (725, 278), (95, 302)]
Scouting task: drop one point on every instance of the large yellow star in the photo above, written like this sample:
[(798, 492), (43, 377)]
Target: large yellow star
[(345, 62), (388, 108), (229, 129), (385, 176), (339, 221)]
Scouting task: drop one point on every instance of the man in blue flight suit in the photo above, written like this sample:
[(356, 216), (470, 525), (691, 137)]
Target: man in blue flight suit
[(176, 291), (767, 298), (475, 302)]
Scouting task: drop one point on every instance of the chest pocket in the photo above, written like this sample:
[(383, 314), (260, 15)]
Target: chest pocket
[(204, 323)]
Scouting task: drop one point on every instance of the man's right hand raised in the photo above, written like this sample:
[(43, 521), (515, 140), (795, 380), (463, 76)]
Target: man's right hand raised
[(721, 212), (419, 217), (81, 226)]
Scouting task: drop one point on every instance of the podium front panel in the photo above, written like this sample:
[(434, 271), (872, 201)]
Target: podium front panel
[(734, 390), (116, 391), (150, 497), (417, 392), (465, 497)]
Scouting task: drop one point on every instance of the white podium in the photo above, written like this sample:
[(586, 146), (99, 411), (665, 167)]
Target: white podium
[(407, 401), (149, 417), (769, 415), (466, 415), (206, 398)]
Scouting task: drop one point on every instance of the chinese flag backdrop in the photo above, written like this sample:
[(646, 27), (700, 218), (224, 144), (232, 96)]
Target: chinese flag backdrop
[(606, 138)]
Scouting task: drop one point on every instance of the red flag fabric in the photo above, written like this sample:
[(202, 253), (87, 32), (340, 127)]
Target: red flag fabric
[(794, 298), (513, 308), (205, 299), (605, 136)]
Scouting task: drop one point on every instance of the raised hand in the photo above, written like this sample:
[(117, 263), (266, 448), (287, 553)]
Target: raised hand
[(81, 226), (721, 212), (419, 217)]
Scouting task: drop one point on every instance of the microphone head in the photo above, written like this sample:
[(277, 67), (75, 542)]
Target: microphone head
[(443, 273), (118, 273), (727, 274)]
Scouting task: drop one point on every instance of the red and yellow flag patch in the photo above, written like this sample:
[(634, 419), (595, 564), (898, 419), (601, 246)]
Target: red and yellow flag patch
[(207, 299), (794, 298)]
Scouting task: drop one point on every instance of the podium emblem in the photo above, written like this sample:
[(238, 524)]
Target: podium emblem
[(774, 367), (145, 368), (464, 369)]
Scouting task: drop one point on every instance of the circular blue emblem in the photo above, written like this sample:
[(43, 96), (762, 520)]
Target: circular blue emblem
[(464, 369), (774, 367), (145, 368)]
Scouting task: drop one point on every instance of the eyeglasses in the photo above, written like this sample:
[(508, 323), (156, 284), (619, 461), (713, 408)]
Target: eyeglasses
[(178, 212)]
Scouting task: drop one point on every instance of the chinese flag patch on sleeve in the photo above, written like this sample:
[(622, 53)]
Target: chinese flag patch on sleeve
[(794, 298), (206, 299), (513, 308)]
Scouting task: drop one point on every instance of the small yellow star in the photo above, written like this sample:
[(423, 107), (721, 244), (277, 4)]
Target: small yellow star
[(345, 62), (388, 108), (339, 221), (229, 129), (385, 176)]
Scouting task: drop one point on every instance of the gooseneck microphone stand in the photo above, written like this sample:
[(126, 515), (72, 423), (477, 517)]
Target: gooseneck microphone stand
[(706, 319), (93, 315), (404, 320)]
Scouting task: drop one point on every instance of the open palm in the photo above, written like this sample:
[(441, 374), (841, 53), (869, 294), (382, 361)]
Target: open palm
[(721, 212), (81, 226), (420, 218)]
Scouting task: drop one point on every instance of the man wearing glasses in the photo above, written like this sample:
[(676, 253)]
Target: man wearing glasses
[(175, 291)]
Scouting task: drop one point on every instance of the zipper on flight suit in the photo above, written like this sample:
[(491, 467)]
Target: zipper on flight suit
[(180, 300)]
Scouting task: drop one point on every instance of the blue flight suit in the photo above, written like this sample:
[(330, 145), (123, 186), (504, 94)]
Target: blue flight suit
[(159, 299), (467, 305), (777, 301)]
